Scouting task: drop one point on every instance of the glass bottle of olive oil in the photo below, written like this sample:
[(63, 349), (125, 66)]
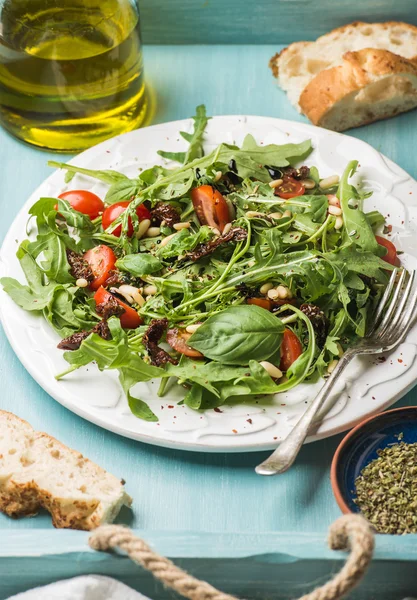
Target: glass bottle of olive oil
[(71, 71)]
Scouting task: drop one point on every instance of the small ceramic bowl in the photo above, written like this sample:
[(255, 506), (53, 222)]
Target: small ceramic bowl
[(359, 447)]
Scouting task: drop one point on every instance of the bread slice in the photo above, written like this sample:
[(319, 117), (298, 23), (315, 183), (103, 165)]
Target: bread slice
[(37, 471), (297, 65), (369, 85)]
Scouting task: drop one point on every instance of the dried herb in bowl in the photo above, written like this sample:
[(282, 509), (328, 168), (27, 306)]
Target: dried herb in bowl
[(386, 490)]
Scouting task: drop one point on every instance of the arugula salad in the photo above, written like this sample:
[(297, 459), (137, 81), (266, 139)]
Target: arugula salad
[(239, 273)]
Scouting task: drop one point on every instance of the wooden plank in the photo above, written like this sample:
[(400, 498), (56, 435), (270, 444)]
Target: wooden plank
[(277, 575), (264, 22)]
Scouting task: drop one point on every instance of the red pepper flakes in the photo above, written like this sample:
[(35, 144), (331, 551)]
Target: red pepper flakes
[(217, 409), (400, 360), (373, 397), (234, 430), (170, 406), (249, 421)]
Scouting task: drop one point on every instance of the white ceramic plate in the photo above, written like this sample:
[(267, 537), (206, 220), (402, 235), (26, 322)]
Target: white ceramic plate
[(369, 385)]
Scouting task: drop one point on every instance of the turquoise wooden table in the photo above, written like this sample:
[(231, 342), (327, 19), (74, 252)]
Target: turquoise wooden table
[(209, 511)]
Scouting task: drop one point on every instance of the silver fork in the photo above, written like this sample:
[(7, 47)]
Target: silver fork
[(393, 318)]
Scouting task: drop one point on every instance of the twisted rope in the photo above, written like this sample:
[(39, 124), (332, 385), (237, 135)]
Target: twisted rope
[(349, 532)]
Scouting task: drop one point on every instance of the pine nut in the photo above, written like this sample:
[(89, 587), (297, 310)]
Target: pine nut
[(153, 232), (167, 239), (125, 295), (338, 223), (183, 225), (329, 182), (271, 369), (287, 213), (215, 231), (163, 223), (333, 200), (253, 213), (143, 228), (334, 210), (227, 228), (81, 282), (133, 292), (275, 183), (332, 366), (282, 292), (273, 294), (193, 328), (275, 215), (218, 176), (264, 289), (150, 290), (340, 349), (251, 263), (231, 209), (309, 184)]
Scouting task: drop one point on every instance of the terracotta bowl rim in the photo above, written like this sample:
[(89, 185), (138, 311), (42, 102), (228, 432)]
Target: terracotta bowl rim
[(335, 462)]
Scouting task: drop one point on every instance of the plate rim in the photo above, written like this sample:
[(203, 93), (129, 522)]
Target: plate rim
[(194, 446)]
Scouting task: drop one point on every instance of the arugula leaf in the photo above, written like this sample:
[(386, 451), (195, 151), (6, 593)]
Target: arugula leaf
[(364, 263), (184, 241), (107, 176), (139, 264), (277, 155), (123, 190), (318, 208), (239, 334), (194, 139), (355, 223)]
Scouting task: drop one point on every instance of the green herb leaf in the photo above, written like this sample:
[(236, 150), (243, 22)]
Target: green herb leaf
[(194, 139), (139, 264), (123, 190), (239, 334), (107, 176)]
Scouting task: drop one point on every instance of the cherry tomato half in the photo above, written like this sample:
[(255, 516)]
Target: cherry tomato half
[(291, 349), (85, 202), (177, 339), (290, 188), (269, 304), (102, 260), (265, 303), (210, 206), (391, 256), (115, 210), (129, 319)]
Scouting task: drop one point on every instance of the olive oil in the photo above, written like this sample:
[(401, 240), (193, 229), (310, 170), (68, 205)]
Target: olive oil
[(71, 71)]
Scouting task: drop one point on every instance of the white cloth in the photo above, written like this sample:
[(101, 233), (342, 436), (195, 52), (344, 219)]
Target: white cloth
[(87, 587)]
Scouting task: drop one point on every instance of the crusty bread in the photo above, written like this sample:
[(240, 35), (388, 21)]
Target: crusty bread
[(369, 85), (37, 471), (356, 81)]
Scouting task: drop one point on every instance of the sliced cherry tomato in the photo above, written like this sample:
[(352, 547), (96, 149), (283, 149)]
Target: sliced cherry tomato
[(129, 319), (102, 260), (115, 210), (290, 188), (84, 201), (268, 304), (391, 256), (177, 339), (265, 303), (291, 349), (210, 206)]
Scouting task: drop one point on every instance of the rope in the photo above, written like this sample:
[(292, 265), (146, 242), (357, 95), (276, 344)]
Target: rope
[(349, 532)]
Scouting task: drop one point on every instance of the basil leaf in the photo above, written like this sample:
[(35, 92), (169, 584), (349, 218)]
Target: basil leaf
[(139, 264), (239, 334)]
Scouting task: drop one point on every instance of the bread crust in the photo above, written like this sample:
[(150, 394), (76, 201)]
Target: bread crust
[(25, 498), (357, 71), (274, 62)]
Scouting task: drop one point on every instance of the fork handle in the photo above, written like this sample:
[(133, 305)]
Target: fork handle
[(286, 453)]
